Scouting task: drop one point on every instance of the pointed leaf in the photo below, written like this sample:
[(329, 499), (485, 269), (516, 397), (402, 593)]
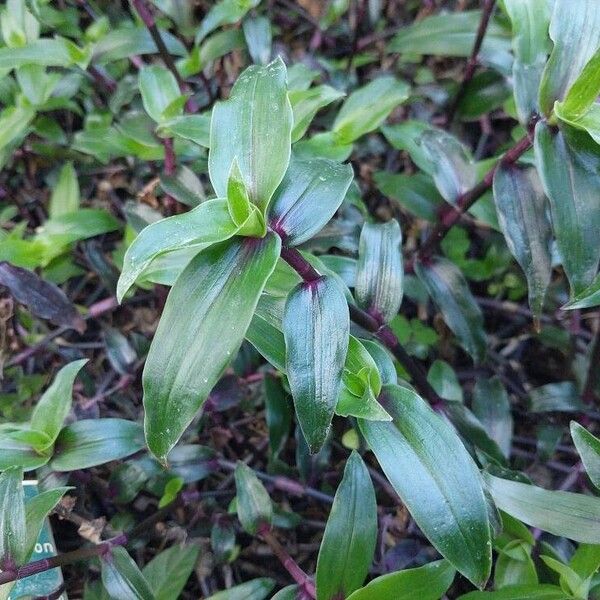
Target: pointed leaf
[(316, 326), (452, 167), (254, 125), (573, 191), (588, 297), (521, 207), (565, 514), (368, 107), (65, 195), (350, 534), (255, 589), (216, 293), (13, 531), (223, 12), (519, 592), (208, 223), (436, 478), (584, 91), (53, 407), (450, 291), (588, 446), (306, 104), (159, 89), (92, 442), (380, 273), (309, 195), (122, 578), (254, 507), (575, 31), (168, 572), (428, 582)]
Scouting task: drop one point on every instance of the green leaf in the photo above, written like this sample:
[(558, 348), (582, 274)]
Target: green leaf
[(245, 215), (36, 511), (208, 223), (159, 90), (368, 107), (491, 405), (122, 578), (564, 514), (217, 291), (569, 580), (584, 91), (575, 31), (255, 589), (14, 123), (168, 572), (453, 34), (184, 185), (278, 414), (92, 442), (124, 42), (53, 407), (254, 507), (587, 298), (65, 195), (589, 121), (195, 128), (452, 169), (380, 272), (519, 592), (530, 20), (350, 534), (316, 326), (428, 582), (450, 291), (257, 32), (588, 447), (561, 396), (14, 451), (13, 530), (436, 479), (223, 13), (254, 125), (309, 195), (573, 192), (306, 104), (521, 207), (55, 52)]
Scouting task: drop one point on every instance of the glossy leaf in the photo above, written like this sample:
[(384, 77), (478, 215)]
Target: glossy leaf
[(92, 442), (428, 582), (564, 514), (13, 530), (588, 297), (584, 92), (258, 35), (588, 447), (42, 298), (521, 207), (168, 572), (122, 578), (195, 128), (380, 272), (254, 125), (159, 90), (491, 405), (278, 409), (306, 104), (436, 479), (575, 31), (368, 107), (14, 451), (350, 534), (450, 291), (453, 34), (218, 289), (208, 223), (65, 195), (519, 592), (316, 326), (37, 510), (530, 20), (255, 589), (573, 192), (452, 167), (53, 407), (311, 192), (254, 506), (224, 12)]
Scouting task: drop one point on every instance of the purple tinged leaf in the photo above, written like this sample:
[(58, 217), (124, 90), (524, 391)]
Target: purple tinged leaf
[(44, 299)]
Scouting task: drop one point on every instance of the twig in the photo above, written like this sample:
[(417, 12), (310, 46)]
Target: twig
[(290, 565), (486, 13), (450, 214), (371, 324)]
